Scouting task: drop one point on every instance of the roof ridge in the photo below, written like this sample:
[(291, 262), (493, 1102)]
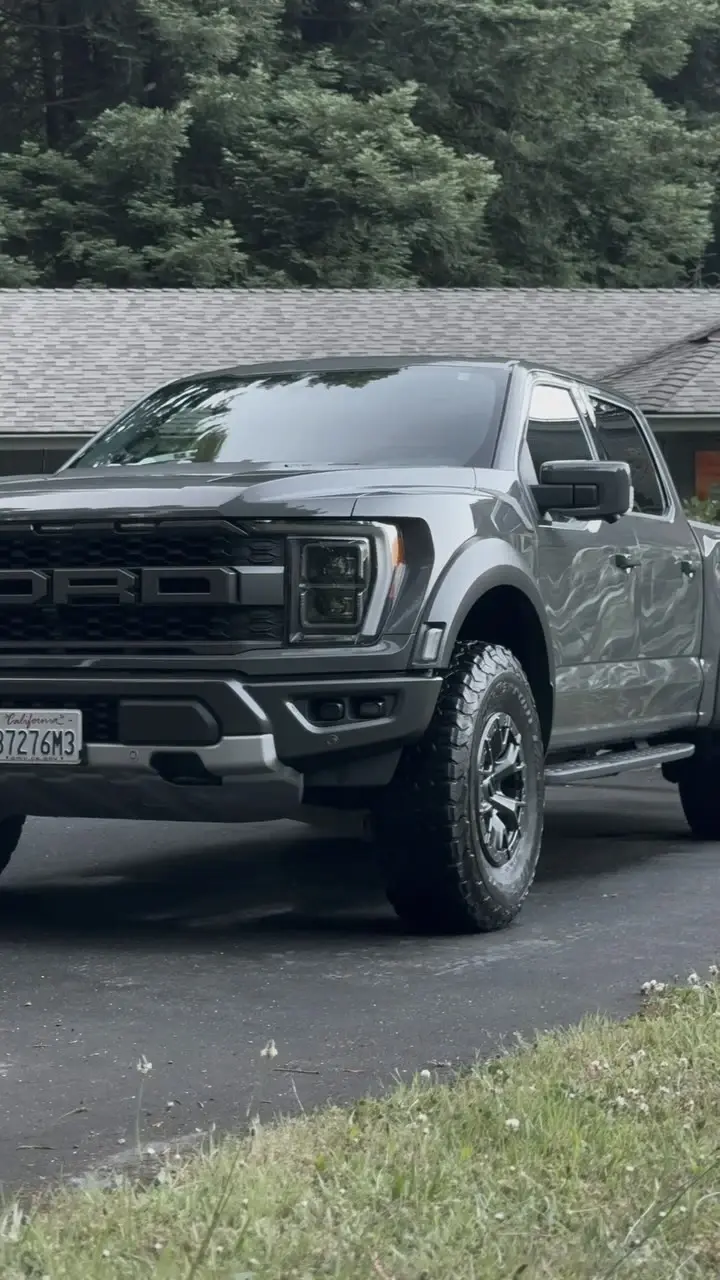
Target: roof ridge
[(696, 335), (681, 378), (507, 290)]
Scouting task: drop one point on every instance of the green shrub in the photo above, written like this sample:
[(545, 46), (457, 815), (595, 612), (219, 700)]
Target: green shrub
[(707, 509)]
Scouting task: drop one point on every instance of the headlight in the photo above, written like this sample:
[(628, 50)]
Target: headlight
[(334, 581), (336, 563), (342, 585)]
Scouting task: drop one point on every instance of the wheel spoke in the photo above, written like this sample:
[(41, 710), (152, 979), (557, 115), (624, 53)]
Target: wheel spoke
[(500, 803), (507, 806), (498, 836), (508, 763)]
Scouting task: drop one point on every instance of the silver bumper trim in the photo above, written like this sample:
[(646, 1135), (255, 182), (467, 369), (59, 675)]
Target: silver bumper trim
[(120, 782), (247, 757)]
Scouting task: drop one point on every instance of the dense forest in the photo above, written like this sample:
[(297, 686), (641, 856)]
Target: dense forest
[(359, 142)]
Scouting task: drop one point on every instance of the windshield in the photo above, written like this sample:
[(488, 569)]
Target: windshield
[(416, 415)]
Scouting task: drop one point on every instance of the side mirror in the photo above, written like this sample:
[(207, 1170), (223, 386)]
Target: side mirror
[(587, 490)]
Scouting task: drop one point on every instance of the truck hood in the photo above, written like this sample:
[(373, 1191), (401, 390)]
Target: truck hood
[(181, 491)]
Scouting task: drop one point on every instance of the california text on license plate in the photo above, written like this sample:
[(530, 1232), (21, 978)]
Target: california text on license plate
[(40, 737)]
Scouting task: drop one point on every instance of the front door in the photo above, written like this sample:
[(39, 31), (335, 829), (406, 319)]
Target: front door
[(586, 584), (668, 573)]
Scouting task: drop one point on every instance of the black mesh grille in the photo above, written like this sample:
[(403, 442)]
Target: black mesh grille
[(100, 715), (119, 628), (107, 546), (78, 625)]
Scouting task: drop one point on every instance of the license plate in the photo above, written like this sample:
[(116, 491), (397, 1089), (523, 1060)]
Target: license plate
[(40, 737)]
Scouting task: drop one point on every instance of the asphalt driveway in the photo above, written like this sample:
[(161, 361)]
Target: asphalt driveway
[(195, 946)]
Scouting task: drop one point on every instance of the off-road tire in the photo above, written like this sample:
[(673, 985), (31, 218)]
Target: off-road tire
[(10, 832), (697, 780), (438, 874)]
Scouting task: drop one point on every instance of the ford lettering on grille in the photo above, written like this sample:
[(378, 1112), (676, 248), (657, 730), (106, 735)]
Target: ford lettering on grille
[(219, 586), (132, 585)]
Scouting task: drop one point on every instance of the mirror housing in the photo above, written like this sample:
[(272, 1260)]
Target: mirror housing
[(585, 490)]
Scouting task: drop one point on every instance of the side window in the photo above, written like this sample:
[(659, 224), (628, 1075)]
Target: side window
[(621, 440), (554, 431)]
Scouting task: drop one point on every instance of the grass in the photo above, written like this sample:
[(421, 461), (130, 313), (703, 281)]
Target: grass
[(591, 1154)]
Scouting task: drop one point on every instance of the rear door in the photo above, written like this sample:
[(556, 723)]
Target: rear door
[(584, 579), (667, 576)]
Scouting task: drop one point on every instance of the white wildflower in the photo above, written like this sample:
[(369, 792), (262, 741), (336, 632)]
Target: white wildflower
[(713, 970), (512, 1123), (499, 1217), (693, 979), (425, 1074), (653, 987)]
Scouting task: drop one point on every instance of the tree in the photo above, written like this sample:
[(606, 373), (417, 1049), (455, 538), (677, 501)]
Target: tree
[(365, 142), (331, 189), (268, 177), (601, 182), (696, 90)]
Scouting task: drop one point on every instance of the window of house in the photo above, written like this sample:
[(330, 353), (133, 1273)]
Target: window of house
[(28, 459), (621, 440)]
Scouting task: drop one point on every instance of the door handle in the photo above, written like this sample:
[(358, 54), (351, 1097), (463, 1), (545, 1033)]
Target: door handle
[(688, 567), (626, 562)]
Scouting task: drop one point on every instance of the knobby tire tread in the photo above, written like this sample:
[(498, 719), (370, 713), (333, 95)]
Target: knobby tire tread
[(423, 838)]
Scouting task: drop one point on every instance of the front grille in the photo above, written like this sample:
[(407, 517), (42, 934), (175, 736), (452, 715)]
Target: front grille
[(78, 625), (112, 627), (103, 546), (100, 715)]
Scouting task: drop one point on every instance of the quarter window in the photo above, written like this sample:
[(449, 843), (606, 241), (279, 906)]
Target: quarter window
[(554, 431), (621, 440)]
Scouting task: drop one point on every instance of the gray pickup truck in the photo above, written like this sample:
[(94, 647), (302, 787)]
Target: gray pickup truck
[(424, 589)]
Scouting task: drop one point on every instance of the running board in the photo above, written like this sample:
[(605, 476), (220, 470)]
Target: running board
[(616, 762)]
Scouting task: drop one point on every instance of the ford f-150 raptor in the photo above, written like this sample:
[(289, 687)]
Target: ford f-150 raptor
[(424, 589)]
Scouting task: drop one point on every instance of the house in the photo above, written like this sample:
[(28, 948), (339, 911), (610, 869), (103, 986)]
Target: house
[(70, 360)]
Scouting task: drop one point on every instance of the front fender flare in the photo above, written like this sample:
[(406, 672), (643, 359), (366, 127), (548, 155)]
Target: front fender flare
[(478, 567)]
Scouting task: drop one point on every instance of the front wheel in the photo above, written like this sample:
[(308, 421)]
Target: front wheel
[(10, 832), (460, 827)]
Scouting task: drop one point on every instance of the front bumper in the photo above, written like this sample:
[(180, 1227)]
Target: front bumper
[(214, 749)]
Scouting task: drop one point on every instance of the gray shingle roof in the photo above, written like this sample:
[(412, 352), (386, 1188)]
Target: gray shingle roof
[(72, 359), (683, 379)]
